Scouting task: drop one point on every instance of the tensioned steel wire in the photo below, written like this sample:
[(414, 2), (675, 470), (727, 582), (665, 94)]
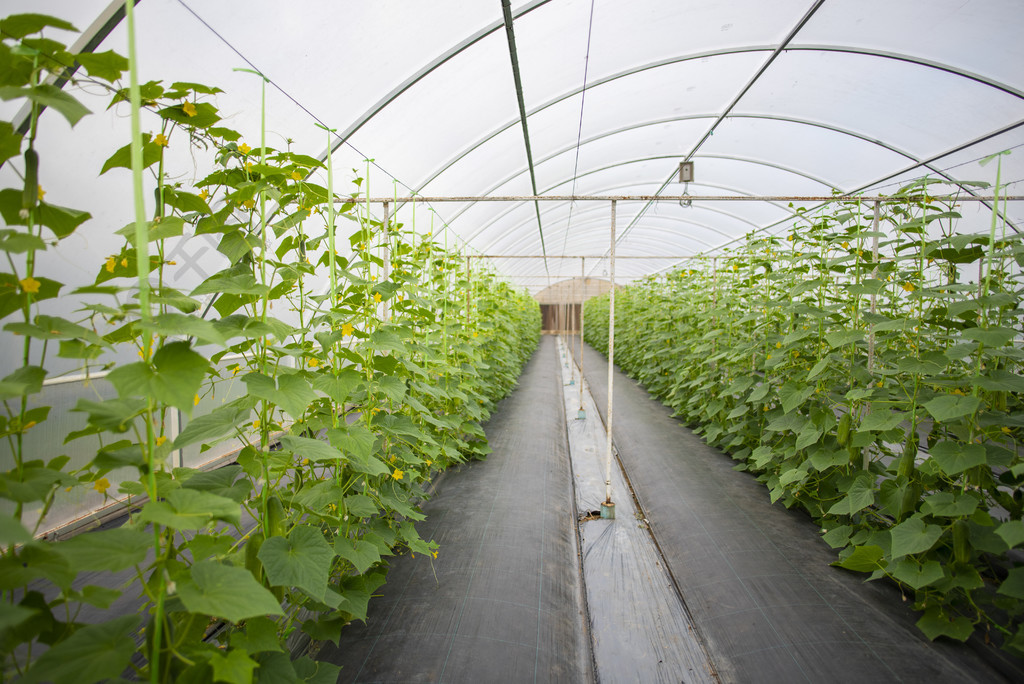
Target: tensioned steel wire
[(579, 130)]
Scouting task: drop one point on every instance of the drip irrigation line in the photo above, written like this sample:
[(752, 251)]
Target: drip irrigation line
[(579, 130)]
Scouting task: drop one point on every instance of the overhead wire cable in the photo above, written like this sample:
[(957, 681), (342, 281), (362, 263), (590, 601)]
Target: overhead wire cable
[(779, 49), (302, 107), (579, 131)]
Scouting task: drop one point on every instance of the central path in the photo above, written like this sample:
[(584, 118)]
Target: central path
[(640, 627)]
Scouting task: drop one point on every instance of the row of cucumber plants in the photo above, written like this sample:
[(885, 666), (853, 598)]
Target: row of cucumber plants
[(364, 374), (869, 373)]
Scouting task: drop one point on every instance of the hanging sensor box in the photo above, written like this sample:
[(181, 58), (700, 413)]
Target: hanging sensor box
[(686, 172)]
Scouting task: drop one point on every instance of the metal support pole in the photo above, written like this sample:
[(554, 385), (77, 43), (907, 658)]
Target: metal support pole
[(571, 335), (582, 414), (874, 274), (608, 508), (386, 314), (469, 280)]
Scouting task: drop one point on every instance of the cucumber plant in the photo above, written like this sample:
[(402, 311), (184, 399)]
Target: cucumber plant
[(867, 370), (345, 386)]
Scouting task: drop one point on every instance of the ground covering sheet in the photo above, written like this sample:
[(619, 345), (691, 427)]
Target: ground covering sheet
[(756, 576)]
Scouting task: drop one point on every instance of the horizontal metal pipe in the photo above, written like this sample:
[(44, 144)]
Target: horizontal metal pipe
[(585, 256), (689, 198)]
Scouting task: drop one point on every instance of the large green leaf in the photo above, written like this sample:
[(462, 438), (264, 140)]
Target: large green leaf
[(238, 280), (387, 339), (48, 95), (61, 220), (313, 449), (215, 425), (360, 505), (392, 387), (354, 439), (838, 537), (173, 378), (32, 483), (34, 561), (106, 65), (203, 330), (190, 509), (234, 667), (793, 394), (818, 367), (880, 419), (1012, 532), (226, 592), (917, 575), (950, 406), (12, 616), (361, 553), (151, 153), (950, 504), (14, 298), (301, 560), (204, 117), (10, 141), (224, 481), (859, 496), (21, 25), (338, 387), (112, 550), (841, 338), (93, 653), (956, 457), (913, 536), (23, 382), (158, 229), (358, 590), (864, 559), (13, 532), (260, 635), (114, 415), (938, 622), (291, 392), (990, 337)]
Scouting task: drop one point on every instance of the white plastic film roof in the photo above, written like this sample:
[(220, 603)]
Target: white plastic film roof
[(788, 97)]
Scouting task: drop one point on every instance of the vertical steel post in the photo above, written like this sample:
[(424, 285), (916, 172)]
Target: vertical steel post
[(572, 331), (581, 414), (386, 315), (874, 274), (608, 508), (469, 280)]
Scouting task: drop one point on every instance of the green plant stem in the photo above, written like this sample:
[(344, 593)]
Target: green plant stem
[(142, 264)]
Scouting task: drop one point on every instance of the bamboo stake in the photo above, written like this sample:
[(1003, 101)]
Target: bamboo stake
[(386, 314)]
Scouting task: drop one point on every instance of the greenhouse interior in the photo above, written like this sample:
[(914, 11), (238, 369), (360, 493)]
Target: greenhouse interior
[(512, 341)]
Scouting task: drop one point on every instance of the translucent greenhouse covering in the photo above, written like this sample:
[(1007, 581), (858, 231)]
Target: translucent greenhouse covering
[(359, 218), (787, 98)]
